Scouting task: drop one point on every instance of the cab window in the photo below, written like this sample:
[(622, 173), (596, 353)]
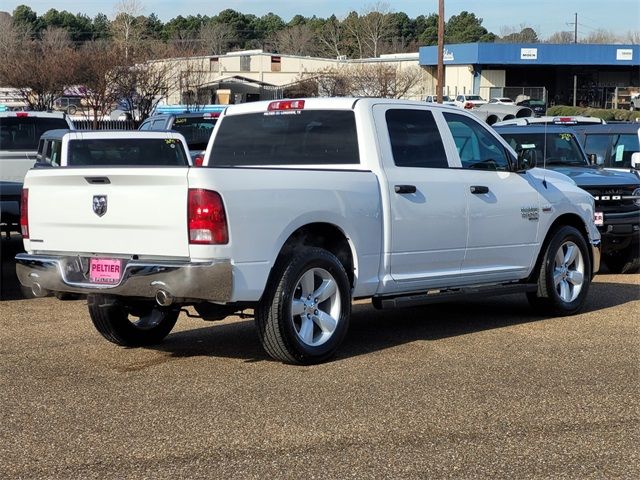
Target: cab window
[(477, 148), (415, 139)]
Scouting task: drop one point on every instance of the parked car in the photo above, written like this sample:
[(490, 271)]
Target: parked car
[(469, 101), (616, 194), (305, 205), (615, 145), (502, 101), (538, 106), (446, 100), (634, 102), (19, 135), (196, 127), (110, 148)]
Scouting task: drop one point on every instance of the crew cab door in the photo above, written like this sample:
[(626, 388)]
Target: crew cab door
[(503, 206), (424, 202)]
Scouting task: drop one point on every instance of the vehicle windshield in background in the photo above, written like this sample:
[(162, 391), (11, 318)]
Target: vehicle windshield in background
[(23, 133), (127, 152), (561, 148), (620, 148), (196, 131), (303, 137), (473, 97)]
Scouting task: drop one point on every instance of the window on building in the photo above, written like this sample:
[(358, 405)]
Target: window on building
[(275, 64), (213, 64), (245, 63)]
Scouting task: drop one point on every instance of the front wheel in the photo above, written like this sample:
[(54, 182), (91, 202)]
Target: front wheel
[(131, 324), (564, 276), (304, 315)]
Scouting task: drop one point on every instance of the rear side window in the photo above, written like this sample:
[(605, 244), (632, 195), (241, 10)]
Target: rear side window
[(127, 152), (23, 133), (306, 137), (196, 131), (415, 139), (622, 148)]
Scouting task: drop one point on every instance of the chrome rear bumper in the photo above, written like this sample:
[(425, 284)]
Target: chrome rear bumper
[(211, 281)]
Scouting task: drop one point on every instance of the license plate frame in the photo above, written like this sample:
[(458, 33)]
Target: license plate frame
[(598, 219), (105, 271)]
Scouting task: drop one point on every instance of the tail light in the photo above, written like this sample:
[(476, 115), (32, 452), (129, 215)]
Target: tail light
[(206, 218), (198, 160), (468, 105), (24, 213), (286, 105)]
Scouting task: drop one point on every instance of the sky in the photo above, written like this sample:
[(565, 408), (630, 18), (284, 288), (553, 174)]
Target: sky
[(545, 16)]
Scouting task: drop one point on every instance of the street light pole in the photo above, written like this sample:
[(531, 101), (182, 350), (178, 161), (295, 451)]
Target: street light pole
[(440, 81)]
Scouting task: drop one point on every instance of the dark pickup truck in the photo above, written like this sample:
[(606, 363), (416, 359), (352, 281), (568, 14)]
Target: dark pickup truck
[(616, 193)]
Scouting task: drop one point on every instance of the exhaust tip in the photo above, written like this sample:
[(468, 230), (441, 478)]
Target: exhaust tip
[(164, 298), (38, 291)]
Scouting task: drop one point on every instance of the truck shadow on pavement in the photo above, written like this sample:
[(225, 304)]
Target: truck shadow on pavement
[(373, 330)]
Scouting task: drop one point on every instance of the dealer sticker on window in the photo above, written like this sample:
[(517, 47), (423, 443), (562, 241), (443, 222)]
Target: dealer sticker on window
[(598, 218), (105, 270)]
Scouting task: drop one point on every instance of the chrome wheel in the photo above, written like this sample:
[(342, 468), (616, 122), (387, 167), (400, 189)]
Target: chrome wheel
[(315, 307), (568, 272)]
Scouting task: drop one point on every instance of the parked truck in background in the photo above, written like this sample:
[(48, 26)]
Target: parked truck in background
[(19, 135), (301, 207)]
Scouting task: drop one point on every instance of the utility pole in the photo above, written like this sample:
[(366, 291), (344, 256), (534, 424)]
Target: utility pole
[(440, 80), (575, 28)]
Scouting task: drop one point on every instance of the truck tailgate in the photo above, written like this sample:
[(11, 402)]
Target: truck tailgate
[(121, 211)]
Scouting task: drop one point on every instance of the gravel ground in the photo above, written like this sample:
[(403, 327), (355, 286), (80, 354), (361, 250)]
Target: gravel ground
[(479, 389)]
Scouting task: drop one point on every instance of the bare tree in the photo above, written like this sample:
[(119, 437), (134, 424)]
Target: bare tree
[(127, 30), (215, 38), (56, 39), (99, 62), (39, 71), (601, 36), (561, 37), (12, 37), (375, 25), (142, 85), (296, 40), (353, 28), (633, 37), (331, 36)]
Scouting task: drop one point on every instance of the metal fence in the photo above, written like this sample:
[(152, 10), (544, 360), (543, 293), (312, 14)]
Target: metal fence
[(106, 125), (515, 93)]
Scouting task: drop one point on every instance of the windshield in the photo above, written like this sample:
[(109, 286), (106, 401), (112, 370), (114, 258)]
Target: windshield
[(127, 151), (23, 133), (561, 148), (474, 97), (196, 131)]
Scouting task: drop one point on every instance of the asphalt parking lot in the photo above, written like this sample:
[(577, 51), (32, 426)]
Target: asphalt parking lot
[(480, 389)]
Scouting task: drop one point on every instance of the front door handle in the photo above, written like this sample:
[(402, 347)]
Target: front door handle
[(479, 189), (405, 188)]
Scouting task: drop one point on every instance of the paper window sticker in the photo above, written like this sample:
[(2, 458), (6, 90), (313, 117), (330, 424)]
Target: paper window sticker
[(619, 153)]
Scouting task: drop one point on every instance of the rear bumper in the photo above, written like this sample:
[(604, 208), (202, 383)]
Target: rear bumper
[(211, 281)]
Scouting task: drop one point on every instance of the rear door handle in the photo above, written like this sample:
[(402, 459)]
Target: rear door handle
[(405, 189), (479, 189)]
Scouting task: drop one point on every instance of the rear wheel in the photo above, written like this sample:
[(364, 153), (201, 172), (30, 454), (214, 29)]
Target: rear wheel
[(565, 274), (304, 316), (131, 324)]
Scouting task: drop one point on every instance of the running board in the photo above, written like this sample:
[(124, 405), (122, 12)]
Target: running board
[(446, 294)]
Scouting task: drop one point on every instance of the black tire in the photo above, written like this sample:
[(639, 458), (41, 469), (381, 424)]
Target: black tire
[(626, 260), (547, 299), (131, 324), (280, 331)]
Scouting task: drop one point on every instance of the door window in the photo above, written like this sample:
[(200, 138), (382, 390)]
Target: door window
[(623, 147), (478, 149), (415, 139), (598, 144)]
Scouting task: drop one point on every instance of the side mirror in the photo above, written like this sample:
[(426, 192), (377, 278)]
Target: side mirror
[(527, 159), (635, 160)]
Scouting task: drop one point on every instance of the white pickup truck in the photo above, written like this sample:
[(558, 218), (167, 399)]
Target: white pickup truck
[(301, 207)]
